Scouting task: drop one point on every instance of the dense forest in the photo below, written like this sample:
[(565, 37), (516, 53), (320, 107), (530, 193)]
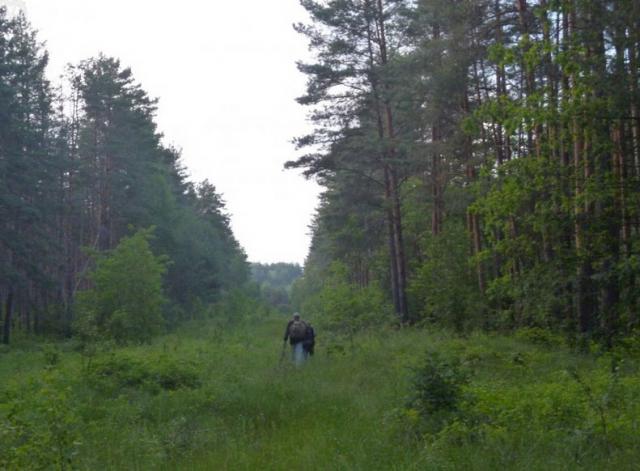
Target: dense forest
[(481, 162), (82, 166)]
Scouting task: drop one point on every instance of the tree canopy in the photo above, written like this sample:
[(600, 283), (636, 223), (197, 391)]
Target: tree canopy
[(479, 158), (83, 166)]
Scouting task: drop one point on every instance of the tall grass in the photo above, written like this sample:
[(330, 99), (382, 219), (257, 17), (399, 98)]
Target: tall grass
[(527, 406)]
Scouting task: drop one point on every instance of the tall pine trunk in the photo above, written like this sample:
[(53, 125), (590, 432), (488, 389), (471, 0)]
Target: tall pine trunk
[(392, 182), (8, 317)]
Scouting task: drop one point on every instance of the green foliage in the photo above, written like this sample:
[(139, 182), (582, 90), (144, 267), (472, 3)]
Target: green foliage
[(206, 259), (125, 303), (239, 305), (203, 396), (539, 336), (523, 406), (521, 225), (78, 168), (51, 355), (344, 308), (276, 281), (39, 426), (521, 135), (152, 373), (277, 275), (30, 193), (629, 345), (444, 287), (437, 391)]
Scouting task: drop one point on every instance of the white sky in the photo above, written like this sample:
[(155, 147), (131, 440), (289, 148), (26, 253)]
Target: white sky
[(225, 74)]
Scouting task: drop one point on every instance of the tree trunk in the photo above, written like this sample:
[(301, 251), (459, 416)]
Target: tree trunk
[(436, 191), (393, 252), (503, 148), (529, 77), (393, 193), (8, 313), (400, 252)]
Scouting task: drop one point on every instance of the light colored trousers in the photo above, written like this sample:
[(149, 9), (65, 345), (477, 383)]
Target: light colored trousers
[(299, 355)]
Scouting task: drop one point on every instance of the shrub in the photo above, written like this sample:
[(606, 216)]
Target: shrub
[(235, 306), (344, 308), (51, 354), (443, 289), (118, 371), (38, 426), (437, 391), (125, 302), (539, 336)]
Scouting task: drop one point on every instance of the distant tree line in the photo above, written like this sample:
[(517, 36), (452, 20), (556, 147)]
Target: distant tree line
[(480, 159), (275, 281), (82, 165)]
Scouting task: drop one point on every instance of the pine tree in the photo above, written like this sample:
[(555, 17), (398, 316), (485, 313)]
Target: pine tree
[(27, 171), (352, 86)]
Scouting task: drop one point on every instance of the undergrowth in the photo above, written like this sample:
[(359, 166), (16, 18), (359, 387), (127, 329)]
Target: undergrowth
[(209, 398)]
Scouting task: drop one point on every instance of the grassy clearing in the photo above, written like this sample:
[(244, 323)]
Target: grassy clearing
[(207, 399)]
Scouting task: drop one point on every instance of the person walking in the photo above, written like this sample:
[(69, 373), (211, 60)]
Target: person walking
[(296, 333), (309, 341)]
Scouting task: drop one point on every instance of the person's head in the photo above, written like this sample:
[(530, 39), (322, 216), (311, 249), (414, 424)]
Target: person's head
[(296, 316)]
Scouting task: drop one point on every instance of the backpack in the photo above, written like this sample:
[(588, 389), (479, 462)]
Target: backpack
[(298, 330)]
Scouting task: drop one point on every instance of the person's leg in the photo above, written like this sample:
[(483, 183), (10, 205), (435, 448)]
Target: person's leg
[(298, 353)]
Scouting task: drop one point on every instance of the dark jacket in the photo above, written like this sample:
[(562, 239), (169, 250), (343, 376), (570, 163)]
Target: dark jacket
[(310, 340)]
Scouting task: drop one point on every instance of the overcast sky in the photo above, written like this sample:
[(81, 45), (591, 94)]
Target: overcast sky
[(225, 74)]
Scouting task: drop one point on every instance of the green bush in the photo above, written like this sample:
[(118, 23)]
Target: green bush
[(39, 428), (125, 302), (630, 344), (235, 306), (437, 391), (117, 371), (344, 308), (444, 288), (539, 336)]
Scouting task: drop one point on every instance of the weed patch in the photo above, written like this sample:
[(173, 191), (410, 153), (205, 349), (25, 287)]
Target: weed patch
[(116, 371)]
